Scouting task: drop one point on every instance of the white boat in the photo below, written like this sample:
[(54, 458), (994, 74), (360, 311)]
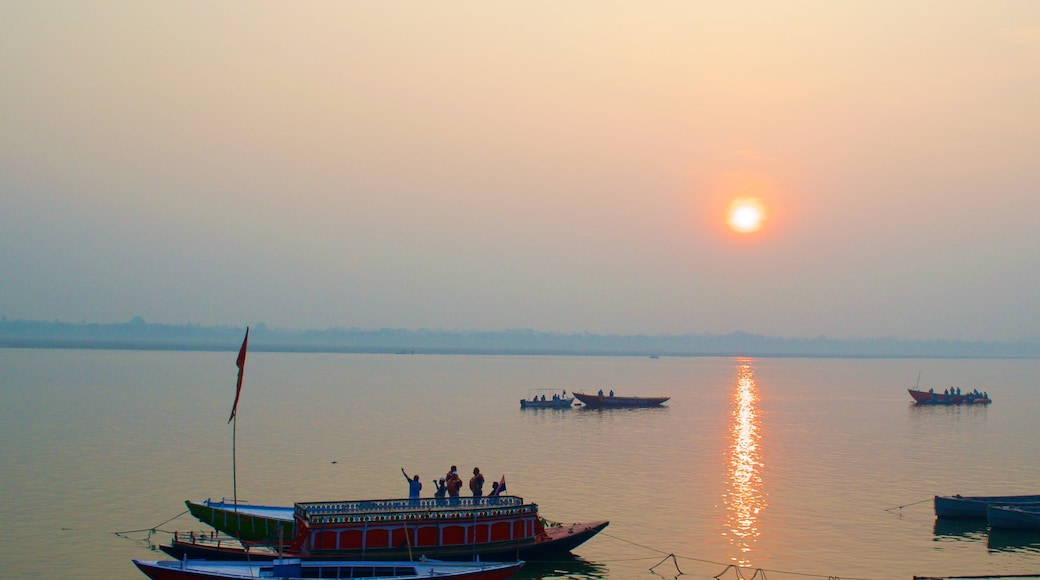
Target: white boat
[(547, 399)]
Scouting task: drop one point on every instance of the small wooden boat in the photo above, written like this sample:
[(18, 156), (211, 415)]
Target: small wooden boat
[(975, 507), (932, 398), (601, 401), (547, 399), (294, 568), (217, 546), (1014, 517), (498, 528)]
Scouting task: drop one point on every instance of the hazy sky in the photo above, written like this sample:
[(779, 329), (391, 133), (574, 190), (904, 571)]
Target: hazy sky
[(560, 166)]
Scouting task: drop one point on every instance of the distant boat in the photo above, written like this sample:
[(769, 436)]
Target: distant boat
[(933, 398), (1014, 517), (293, 568), (975, 507), (547, 399), (601, 401)]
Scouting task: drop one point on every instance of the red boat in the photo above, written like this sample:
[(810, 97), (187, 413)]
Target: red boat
[(930, 397), (294, 568), (610, 401), (501, 528)]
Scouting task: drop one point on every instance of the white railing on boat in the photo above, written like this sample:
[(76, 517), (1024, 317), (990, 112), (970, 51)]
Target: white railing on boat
[(408, 509)]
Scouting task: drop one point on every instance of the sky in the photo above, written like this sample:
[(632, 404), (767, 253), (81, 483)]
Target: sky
[(551, 165)]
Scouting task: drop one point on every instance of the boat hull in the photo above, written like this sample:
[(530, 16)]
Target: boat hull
[(295, 569), (613, 402), (932, 398), (502, 528), (1009, 517), (975, 507), (555, 542), (248, 523), (193, 549), (549, 404)]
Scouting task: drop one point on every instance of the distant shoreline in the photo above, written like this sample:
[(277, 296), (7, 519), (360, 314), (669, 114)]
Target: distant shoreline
[(139, 335), (318, 349)]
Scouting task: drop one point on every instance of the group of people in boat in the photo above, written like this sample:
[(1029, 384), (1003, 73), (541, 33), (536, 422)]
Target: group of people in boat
[(956, 392), (555, 397), (451, 484)]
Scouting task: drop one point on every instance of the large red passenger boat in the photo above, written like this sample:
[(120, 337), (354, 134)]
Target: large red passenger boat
[(502, 528)]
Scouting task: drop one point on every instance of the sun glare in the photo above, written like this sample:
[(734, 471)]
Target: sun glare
[(746, 215)]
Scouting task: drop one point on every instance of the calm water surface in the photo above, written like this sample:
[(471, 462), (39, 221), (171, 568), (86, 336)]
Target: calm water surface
[(794, 466)]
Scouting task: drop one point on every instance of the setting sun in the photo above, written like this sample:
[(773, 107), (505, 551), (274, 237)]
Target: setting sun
[(746, 215)]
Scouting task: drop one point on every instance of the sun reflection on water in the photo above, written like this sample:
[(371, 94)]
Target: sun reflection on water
[(744, 498)]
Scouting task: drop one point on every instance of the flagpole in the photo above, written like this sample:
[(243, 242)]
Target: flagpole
[(234, 467)]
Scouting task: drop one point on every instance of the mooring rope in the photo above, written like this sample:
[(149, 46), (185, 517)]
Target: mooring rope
[(900, 507), (153, 528), (758, 572)]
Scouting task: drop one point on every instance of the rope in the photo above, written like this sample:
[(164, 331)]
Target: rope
[(674, 561), (759, 572), (153, 528), (900, 507)]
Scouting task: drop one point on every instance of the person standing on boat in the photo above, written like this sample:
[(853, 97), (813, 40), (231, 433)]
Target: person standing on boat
[(441, 488), (453, 482), (414, 485), (476, 483)]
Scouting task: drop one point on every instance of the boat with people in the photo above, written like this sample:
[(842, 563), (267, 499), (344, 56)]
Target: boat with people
[(547, 399), (975, 506), (611, 401), (951, 396), (498, 528), (1014, 517), (296, 568)]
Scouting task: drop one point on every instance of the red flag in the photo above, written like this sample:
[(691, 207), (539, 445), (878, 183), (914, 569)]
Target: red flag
[(501, 486), (241, 363)]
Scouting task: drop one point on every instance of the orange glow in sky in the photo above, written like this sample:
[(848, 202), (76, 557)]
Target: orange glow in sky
[(746, 215)]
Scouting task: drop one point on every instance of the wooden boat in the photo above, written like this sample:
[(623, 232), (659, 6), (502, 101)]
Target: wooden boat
[(251, 524), (975, 507), (547, 399), (499, 528), (933, 398), (1014, 517), (216, 546), (601, 401), (293, 568)]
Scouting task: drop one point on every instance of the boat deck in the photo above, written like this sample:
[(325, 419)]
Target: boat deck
[(262, 511)]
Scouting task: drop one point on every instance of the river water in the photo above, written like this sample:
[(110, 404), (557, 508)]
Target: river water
[(802, 468)]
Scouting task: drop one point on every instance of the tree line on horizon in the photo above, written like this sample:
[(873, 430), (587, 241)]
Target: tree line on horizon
[(138, 334)]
